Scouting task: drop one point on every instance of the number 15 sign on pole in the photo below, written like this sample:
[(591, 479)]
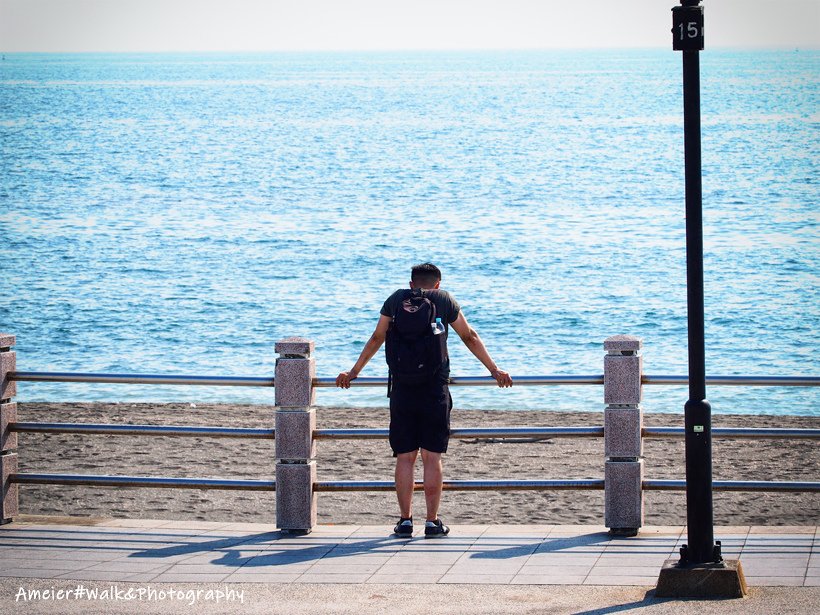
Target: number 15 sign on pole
[(687, 26)]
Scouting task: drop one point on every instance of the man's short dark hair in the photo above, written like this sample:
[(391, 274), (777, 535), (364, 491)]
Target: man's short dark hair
[(426, 274)]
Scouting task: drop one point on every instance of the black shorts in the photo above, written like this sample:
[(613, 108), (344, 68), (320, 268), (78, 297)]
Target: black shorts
[(420, 417)]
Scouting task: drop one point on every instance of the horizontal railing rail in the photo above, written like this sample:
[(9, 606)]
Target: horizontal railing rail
[(234, 381), (736, 485), (746, 381), (734, 432), (352, 485), (142, 481), (569, 380), (466, 485), (143, 430), (470, 432)]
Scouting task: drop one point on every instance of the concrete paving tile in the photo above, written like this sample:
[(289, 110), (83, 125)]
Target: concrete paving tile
[(251, 528), (500, 553), (23, 553), (794, 546), (811, 582), (200, 569), (580, 530), (491, 559), (343, 568), (778, 571), (91, 575), (277, 559), (127, 566), (667, 530), (483, 569), (467, 529), (284, 547), (57, 564), (375, 546), (354, 557), (100, 555), (135, 523), (404, 579), (628, 571), (227, 554), (630, 560), (142, 577), (423, 559), (643, 581), (522, 531), (774, 564), (782, 529), (559, 559), (451, 539), (374, 532), (173, 577), (726, 530), (555, 571), (266, 577), (470, 578), (194, 525), (275, 569), (772, 581), (31, 573), (414, 569), (311, 577), (524, 578), (576, 550), (334, 530)]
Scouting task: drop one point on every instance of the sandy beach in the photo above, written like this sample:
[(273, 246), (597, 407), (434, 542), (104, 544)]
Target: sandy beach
[(556, 458)]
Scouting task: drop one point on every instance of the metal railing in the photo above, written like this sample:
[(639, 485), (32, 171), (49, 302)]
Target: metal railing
[(364, 433), (252, 381)]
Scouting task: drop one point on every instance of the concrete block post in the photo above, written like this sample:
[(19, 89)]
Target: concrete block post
[(295, 446), (9, 502), (623, 446)]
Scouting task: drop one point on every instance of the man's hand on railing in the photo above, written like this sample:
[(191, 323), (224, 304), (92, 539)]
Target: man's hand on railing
[(502, 378), (343, 379)]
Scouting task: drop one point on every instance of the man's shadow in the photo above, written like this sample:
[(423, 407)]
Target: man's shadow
[(228, 556)]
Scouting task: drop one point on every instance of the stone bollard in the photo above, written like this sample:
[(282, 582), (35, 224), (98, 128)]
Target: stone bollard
[(295, 446), (623, 446), (9, 502)]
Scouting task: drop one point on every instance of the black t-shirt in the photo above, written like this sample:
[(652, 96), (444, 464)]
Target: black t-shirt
[(447, 309)]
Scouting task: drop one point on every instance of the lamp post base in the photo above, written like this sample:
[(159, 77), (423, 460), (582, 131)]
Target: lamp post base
[(715, 580)]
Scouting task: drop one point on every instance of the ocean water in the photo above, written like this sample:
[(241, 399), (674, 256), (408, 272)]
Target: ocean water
[(181, 213)]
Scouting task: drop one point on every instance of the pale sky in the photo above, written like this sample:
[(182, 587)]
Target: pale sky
[(273, 25)]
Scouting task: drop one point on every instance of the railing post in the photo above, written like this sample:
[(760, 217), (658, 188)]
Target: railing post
[(295, 446), (9, 502), (623, 447)]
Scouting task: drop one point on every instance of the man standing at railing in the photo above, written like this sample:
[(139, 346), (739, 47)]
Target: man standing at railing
[(420, 403)]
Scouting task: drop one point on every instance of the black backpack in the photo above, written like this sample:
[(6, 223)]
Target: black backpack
[(414, 352)]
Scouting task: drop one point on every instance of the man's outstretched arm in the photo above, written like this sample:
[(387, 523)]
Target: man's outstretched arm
[(470, 338), (370, 349)]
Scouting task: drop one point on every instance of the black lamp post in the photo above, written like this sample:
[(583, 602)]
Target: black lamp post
[(687, 36)]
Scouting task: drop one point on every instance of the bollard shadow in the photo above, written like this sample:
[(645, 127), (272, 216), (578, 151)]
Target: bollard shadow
[(564, 544)]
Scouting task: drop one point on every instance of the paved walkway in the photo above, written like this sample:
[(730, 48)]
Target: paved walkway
[(209, 552)]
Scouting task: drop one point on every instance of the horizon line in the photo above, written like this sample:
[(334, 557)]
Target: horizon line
[(792, 48)]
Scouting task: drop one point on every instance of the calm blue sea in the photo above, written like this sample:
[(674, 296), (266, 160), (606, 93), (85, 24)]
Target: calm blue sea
[(180, 213)]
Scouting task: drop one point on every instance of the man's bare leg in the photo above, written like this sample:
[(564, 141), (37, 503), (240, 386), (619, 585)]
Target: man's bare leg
[(433, 477), (405, 481)]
